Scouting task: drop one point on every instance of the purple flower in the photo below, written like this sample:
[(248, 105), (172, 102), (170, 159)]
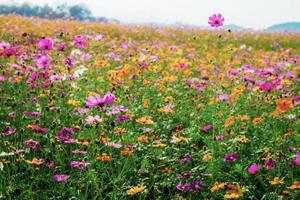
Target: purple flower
[(206, 128), (184, 175), (184, 159), (216, 20), (80, 41), (269, 164), (123, 118), (70, 61), (197, 185), (80, 165), (97, 101), (9, 131), (63, 135), (183, 186), (46, 44), (61, 178), (34, 145), (231, 157), (254, 168)]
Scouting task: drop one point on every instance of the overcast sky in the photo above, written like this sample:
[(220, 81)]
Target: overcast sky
[(247, 13)]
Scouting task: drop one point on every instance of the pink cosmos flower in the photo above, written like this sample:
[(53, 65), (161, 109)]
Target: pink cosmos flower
[(4, 45), (80, 165), (97, 101), (224, 96), (9, 131), (44, 61), (216, 20), (270, 164), (80, 41), (79, 152), (46, 44), (254, 168), (60, 177), (297, 160), (206, 128), (114, 145), (2, 79), (91, 119)]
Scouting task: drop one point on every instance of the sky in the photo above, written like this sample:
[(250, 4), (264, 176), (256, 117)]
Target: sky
[(256, 14)]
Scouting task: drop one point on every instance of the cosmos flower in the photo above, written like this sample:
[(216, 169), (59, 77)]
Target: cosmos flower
[(224, 96), (269, 164), (183, 186), (34, 145), (284, 104), (80, 165), (9, 131), (98, 101), (254, 168), (216, 20), (206, 128), (231, 157), (137, 189), (184, 159), (44, 61), (297, 159), (4, 45), (60, 177), (46, 44), (79, 152), (64, 135), (80, 41), (35, 161), (93, 119)]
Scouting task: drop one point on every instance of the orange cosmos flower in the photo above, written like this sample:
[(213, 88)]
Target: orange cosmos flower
[(256, 120), (284, 104), (105, 157), (35, 161), (126, 152)]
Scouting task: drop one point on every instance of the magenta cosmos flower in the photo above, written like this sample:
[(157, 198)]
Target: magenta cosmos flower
[(216, 20), (254, 168), (206, 128), (98, 101), (231, 157), (80, 165), (46, 44), (61, 178)]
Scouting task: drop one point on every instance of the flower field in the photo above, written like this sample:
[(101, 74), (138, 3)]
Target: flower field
[(108, 111)]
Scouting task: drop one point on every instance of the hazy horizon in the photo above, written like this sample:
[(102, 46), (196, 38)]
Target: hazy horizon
[(254, 14)]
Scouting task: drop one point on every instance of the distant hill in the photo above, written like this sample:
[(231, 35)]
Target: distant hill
[(63, 11), (233, 27), (290, 26)]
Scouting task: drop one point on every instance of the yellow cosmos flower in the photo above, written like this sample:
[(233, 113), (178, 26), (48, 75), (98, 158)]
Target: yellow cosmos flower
[(135, 190), (145, 120), (276, 181), (74, 102)]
